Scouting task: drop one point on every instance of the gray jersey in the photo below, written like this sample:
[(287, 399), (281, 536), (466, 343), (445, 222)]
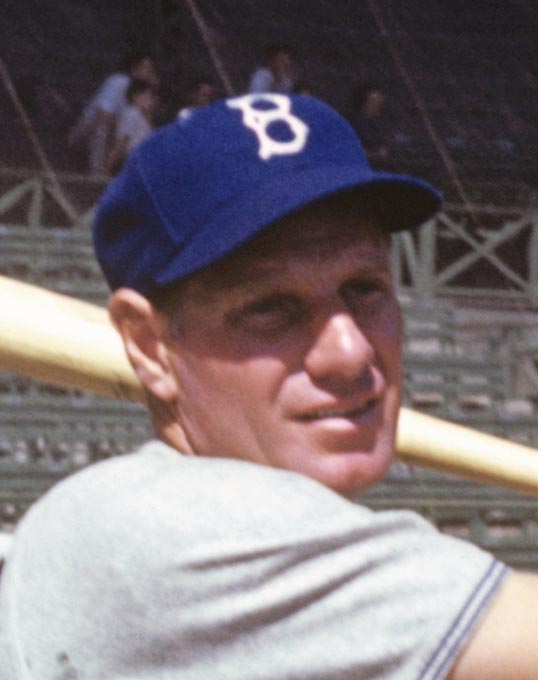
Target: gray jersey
[(159, 566)]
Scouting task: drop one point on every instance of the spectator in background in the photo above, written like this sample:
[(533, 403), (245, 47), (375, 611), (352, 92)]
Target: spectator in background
[(200, 92), (134, 125), (95, 128), (366, 115), (278, 75)]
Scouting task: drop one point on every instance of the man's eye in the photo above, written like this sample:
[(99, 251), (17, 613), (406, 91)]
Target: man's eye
[(366, 286), (274, 313), (265, 307), (367, 294)]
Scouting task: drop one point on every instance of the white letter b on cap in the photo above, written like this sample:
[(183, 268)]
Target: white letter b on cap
[(259, 121)]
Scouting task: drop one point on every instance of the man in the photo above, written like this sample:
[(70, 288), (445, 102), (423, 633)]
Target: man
[(367, 119), (134, 124), (200, 92), (248, 251), (277, 75), (96, 126)]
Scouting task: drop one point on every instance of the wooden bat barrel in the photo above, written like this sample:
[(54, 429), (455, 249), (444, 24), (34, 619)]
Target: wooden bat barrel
[(52, 337)]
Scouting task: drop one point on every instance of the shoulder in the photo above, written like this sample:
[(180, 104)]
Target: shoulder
[(107, 483), (157, 501), (160, 493), (159, 490), (167, 542), (115, 81), (129, 117), (185, 113), (261, 81), (112, 92)]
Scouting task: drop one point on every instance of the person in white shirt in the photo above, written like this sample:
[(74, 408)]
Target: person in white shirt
[(134, 124), (200, 92), (279, 73), (95, 128)]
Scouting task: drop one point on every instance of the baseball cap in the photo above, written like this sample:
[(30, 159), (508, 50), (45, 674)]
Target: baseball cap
[(199, 188)]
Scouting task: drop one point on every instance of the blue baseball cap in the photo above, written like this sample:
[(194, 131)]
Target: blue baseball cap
[(199, 188)]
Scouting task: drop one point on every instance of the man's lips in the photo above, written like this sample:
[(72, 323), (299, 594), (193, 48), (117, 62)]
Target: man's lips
[(349, 412)]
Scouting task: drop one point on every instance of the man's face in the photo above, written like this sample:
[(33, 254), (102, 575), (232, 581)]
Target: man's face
[(145, 70), (146, 102), (375, 102), (281, 62), (203, 95), (288, 353)]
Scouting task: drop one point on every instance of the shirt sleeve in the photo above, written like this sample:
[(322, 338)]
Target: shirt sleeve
[(159, 566), (261, 81), (127, 123), (111, 96)]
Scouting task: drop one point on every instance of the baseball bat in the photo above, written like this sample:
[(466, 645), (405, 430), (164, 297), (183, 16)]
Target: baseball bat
[(58, 339)]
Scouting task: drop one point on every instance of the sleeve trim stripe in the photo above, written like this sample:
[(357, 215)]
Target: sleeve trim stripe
[(448, 649)]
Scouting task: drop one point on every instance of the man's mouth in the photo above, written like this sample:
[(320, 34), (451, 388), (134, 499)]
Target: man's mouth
[(349, 413)]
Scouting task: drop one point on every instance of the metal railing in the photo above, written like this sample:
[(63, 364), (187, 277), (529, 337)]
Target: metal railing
[(449, 257)]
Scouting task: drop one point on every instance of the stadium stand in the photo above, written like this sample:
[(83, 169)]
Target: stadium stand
[(476, 80)]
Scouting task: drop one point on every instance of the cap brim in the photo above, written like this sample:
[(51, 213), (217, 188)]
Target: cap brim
[(400, 203)]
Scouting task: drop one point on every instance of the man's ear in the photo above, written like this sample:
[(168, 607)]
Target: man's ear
[(143, 331)]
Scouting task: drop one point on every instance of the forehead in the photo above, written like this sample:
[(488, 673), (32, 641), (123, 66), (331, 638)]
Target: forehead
[(303, 241)]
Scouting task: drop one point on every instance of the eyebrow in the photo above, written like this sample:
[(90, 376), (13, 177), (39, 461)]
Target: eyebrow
[(271, 269), (252, 275)]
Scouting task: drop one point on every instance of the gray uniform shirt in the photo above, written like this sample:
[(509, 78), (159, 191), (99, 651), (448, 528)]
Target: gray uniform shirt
[(159, 566)]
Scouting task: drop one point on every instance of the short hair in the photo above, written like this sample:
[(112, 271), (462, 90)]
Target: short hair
[(132, 59), (278, 48), (167, 300), (361, 91), (136, 86), (198, 81)]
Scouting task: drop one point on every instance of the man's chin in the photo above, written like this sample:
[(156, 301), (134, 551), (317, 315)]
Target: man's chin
[(357, 481), (350, 472)]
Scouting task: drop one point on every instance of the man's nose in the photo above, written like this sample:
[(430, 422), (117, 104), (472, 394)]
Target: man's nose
[(341, 353)]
